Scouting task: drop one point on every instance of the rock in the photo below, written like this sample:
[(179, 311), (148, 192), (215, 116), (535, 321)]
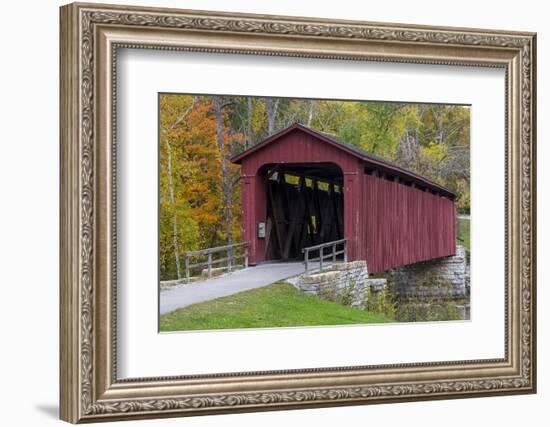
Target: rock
[(439, 278), (347, 283), (464, 311), (350, 265), (376, 285), (319, 277)]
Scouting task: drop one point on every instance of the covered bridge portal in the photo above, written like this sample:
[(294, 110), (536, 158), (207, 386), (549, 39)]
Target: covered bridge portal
[(301, 187)]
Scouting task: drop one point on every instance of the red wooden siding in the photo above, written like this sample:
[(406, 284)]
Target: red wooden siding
[(299, 147), (385, 222), (404, 225), (293, 147)]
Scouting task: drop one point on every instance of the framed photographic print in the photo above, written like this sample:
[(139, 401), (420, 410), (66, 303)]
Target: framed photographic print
[(267, 212)]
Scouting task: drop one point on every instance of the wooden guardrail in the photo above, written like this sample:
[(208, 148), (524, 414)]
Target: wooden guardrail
[(230, 258), (322, 256)]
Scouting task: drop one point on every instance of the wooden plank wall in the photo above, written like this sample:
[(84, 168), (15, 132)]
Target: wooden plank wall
[(403, 225), (387, 223), (293, 148)]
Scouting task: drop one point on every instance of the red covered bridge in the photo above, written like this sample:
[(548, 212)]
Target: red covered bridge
[(301, 187)]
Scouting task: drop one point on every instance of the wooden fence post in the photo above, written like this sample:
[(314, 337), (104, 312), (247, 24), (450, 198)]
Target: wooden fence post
[(320, 248), (345, 251), (229, 259)]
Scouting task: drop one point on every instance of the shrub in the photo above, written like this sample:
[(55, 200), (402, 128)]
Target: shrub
[(430, 310), (382, 302)]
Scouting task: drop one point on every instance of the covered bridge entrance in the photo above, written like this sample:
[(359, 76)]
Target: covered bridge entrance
[(304, 207), (301, 187)]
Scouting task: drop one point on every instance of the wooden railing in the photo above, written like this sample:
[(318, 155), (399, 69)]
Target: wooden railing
[(322, 256), (230, 258)]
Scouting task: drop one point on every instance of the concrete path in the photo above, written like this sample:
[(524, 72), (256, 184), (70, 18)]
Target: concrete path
[(238, 281)]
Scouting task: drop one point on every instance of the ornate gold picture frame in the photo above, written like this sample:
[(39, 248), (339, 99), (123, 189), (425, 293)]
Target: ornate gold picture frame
[(90, 387)]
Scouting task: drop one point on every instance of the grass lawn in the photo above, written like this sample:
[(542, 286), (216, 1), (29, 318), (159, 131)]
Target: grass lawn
[(463, 233), (276, 305)]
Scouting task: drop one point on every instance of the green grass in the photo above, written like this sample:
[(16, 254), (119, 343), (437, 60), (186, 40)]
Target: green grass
[(276, 305), (463, 233)]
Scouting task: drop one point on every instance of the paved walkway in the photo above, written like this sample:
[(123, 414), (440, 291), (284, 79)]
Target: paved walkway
[(238, 281)]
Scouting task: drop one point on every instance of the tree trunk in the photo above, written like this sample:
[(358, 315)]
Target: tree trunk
[(226, 186), (271, 106), (171, 190), (172, 200), (407, 150), (310, 113), (249, 123)]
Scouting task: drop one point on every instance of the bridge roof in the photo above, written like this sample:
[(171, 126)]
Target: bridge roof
[(373, 160)]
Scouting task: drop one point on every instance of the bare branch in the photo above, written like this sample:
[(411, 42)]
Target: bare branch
[(184, 115)]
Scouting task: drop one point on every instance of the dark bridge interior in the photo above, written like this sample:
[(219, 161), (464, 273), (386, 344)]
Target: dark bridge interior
[(305, 207)]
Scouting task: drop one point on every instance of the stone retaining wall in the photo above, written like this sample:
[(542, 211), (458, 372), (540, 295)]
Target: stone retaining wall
[(443, 278), (433, 285), (347, 283)]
